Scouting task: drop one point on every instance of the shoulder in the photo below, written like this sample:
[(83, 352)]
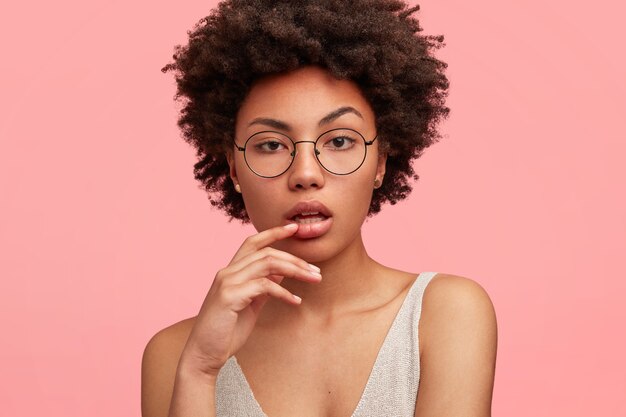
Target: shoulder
[(172, 335), (158, 367), (457, 304), (447, 293), (458, 343)]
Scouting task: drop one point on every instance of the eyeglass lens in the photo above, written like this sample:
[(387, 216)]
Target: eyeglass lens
[(340, 151)]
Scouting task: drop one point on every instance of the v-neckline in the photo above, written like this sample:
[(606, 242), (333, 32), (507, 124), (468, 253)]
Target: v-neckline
[(359, 404)]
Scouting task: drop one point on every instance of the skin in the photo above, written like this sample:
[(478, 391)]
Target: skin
[(301, 99), (344, 315)]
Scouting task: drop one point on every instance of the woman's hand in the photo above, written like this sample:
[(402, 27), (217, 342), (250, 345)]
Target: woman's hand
[(239, 291)]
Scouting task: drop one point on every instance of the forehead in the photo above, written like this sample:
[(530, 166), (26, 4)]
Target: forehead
[(301, 97)]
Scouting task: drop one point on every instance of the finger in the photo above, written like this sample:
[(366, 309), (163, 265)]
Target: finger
[(262, 239), (241, 296), (269, 251), (270, 265), (276, 278)]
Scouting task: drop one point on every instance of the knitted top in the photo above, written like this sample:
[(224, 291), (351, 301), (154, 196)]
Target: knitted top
[(391, 389)]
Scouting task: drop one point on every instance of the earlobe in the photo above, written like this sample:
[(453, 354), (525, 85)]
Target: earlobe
[(380, 170)]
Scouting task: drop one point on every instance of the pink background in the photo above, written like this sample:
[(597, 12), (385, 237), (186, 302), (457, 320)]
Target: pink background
[(105, 237)]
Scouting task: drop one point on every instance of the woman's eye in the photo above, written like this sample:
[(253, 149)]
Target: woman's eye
[(269, 146), (340, 143)]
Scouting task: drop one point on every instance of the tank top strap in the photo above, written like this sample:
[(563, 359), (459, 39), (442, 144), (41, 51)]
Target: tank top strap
[(233, 395), (392, 387)]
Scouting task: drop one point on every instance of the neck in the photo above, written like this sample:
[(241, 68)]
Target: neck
[(348, 281)]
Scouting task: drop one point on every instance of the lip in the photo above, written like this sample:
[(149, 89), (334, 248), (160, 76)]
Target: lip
[(308, 206), (310, 230)]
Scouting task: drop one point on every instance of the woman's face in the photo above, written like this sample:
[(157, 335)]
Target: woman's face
[(303, 104)]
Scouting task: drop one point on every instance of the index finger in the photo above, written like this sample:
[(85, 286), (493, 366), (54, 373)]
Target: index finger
[(265, 238)]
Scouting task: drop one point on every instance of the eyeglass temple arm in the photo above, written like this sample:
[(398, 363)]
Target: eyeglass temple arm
[(366, 142), (239, 148)]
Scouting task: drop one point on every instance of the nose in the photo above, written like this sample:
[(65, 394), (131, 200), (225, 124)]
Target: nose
[(305, 171)]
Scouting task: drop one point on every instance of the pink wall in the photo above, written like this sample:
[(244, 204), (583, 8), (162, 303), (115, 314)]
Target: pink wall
[(105, 237)]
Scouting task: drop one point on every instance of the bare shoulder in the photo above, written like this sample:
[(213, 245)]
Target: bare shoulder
[(453, 304), (452, 294), (158, 367), (458, 344)]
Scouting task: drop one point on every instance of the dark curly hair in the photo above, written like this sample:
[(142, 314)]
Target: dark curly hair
[(374, 43)]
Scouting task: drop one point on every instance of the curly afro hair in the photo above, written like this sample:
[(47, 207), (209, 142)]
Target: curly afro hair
[(375, 43)]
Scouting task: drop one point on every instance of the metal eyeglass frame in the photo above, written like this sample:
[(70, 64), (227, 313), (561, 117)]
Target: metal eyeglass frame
[(293, 154)]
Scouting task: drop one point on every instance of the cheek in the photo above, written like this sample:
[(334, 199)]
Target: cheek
[(258, 197), (253, 201), (356, 197)]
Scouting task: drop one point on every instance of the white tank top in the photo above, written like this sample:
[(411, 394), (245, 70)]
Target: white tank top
[(391, 389)]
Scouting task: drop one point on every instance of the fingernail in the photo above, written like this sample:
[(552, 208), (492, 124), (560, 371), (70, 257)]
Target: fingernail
[(291, 226), (314, 268), (315, 274), (298, 299)]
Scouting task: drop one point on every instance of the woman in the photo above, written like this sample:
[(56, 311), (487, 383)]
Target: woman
[(306, 116)]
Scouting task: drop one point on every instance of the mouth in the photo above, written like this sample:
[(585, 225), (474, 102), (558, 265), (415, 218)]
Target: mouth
[(309, 217), (312, 217)]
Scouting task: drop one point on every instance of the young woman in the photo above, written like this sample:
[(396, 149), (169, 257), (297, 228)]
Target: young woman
[(306, 116)]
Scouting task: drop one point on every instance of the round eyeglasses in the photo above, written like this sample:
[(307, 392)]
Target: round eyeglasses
[(339, 151)]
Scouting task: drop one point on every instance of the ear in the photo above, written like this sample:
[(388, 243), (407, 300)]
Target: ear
[(232, 171), (381, 166)]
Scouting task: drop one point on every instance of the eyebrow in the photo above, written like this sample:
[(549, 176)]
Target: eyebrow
[(278, 124)]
